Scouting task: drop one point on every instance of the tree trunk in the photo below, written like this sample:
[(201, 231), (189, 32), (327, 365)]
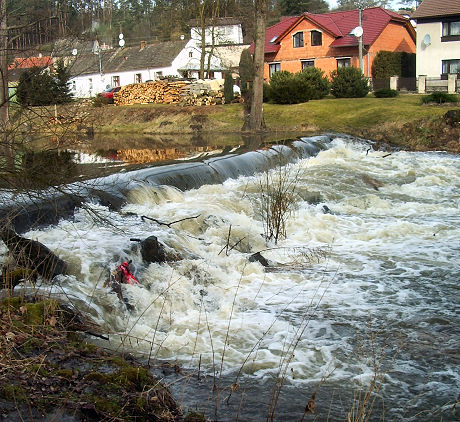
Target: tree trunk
[(3, 64), (255, 121)]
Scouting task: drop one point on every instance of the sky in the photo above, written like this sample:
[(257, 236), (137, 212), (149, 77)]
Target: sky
[(333, 3)]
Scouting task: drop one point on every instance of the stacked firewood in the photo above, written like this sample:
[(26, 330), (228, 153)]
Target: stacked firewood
[(212, 98), (166, 92), (169, 92)]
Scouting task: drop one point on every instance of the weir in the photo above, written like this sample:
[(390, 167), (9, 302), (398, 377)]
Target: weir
[(35, 209)]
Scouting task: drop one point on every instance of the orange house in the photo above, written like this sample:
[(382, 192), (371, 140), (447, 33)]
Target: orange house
[(324, 40)]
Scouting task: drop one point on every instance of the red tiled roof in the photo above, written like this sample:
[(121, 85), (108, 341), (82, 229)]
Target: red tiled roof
[(435, 8), (28, 62), (339, 24), (273, 32)]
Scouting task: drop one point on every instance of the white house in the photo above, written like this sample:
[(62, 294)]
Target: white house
[(95, 68), (93, 71), (223, 41), (438, 38)]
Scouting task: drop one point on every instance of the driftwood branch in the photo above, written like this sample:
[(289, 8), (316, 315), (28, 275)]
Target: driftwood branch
[(144, 217)]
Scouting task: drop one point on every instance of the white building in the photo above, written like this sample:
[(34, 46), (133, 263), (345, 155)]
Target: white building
[(94, 71), (438, 38), (95, 68), (223, 42)]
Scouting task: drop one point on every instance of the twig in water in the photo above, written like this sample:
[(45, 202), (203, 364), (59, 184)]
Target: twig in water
[(144, 217)]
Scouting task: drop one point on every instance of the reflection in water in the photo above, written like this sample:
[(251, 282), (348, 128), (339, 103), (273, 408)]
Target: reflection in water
[(160, 150)]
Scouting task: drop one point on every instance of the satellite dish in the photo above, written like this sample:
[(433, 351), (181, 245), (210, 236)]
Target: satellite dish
[(427, 40), (120, 36), (74, 52), (357, 32), (121, 43)]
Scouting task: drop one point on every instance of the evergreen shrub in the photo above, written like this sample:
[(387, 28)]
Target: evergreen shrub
[(348, 82), (246, 70), (386, 93), (440, 98), (289, 88), (393, 63), (228, 88), (38, 87), (319, 84)]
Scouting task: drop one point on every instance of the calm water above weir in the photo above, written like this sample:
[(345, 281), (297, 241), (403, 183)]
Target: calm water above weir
[(364, 287)]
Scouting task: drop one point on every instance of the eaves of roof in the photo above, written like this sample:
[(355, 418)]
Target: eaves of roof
[(129, 58), (437, 8)]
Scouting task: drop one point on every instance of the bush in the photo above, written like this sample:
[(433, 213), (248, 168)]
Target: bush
[(439, 97), (349, 82), (289, 88), (267, 92), (246, 70), (228, 88), (319, 84), (38, 87), (392, 63), (386, 93)]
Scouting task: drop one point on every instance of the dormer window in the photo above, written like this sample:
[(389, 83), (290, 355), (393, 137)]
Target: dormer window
[(297, 40), (316, 38)]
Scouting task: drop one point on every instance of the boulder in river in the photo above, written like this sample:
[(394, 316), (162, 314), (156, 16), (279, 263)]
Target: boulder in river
[(33, 255), (152, 250)]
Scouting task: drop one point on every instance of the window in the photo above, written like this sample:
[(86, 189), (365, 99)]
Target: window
[(307, 63), (138, 78), (115, 81), (297, 40), (316, 38), (158, 75), (451, 66), (190, 53), (74, 86), (274, 67), (345, 62), (450, 31)]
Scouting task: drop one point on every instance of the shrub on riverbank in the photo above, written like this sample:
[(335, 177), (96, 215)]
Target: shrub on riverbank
[(386, 93), (289, 88), (318, 83), (439, 97), (349, 82)]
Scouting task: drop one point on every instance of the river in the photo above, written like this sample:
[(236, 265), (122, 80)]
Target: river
[(361, 295)]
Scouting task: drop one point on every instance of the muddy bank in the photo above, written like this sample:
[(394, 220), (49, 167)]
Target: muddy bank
[(50, 372)]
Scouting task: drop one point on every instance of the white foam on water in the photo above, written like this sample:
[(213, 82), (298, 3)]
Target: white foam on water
[(386, 256)]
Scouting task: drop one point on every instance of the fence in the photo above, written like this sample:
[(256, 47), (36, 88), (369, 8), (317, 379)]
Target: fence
[(422, 84)]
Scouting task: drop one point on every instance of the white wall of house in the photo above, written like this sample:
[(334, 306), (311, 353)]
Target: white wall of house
[(223, 34), (429, 57), (189, 58), (86, 86)]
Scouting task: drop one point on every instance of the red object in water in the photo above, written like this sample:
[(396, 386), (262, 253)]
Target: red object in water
[(127, 275)]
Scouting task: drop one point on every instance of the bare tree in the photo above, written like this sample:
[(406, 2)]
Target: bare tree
[(255, 121)]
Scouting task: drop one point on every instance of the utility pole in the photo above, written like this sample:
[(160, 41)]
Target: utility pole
[(360, 40)]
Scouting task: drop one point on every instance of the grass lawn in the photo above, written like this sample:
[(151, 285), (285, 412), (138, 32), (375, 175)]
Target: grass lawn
[(343, 114)]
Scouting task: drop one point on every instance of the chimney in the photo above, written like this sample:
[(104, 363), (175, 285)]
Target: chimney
[(143, 44)]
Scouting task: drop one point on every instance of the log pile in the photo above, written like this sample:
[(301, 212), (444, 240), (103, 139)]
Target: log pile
[(164, 92), (168, 92)]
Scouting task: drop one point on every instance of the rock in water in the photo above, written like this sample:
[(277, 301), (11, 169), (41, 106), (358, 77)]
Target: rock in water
[(152, 250), (32, 254)]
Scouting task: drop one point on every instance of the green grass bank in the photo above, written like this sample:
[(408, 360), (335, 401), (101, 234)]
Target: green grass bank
[(403, 121)]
